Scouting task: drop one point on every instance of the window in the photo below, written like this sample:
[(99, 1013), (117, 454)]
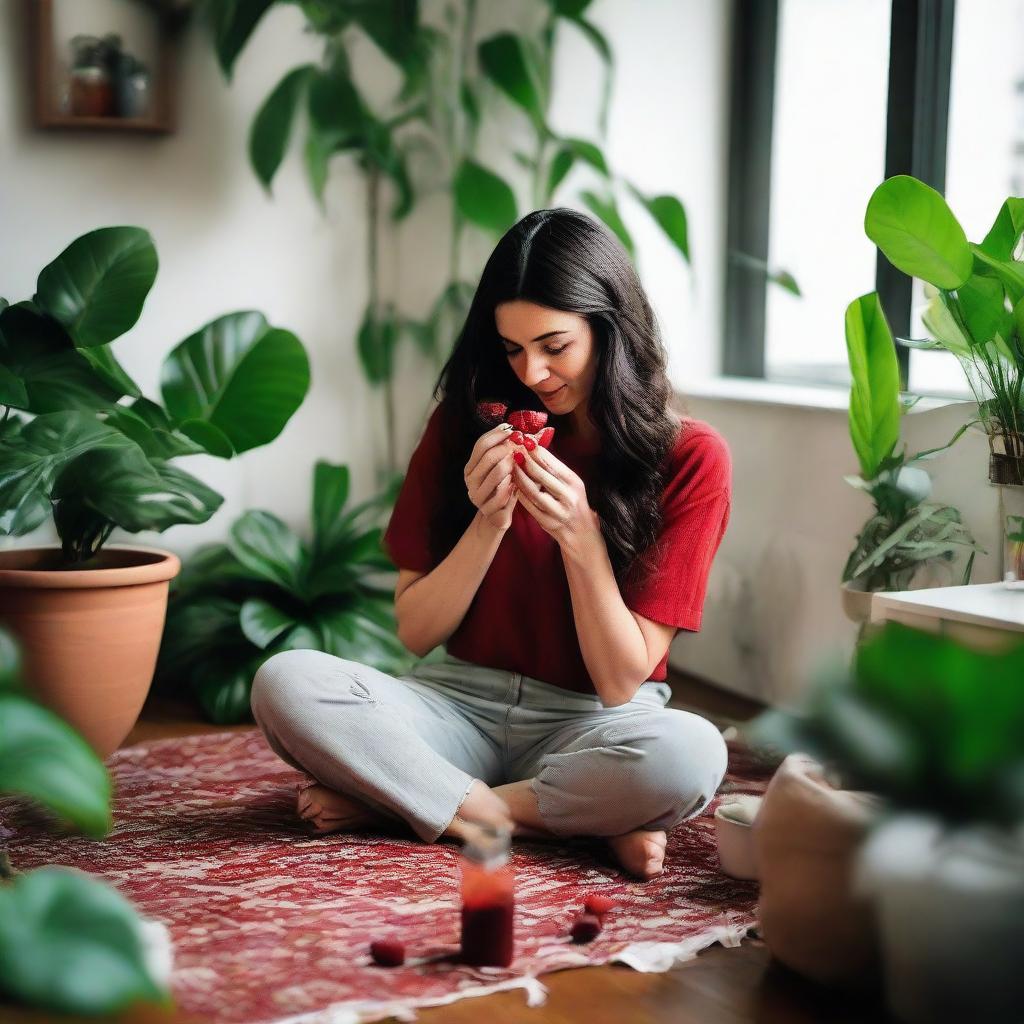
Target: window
[(829, 98)]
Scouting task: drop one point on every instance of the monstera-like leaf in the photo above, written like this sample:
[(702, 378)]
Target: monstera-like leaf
[(238, 375)]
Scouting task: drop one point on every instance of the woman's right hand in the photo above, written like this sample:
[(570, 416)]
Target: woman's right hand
[(488, 476)]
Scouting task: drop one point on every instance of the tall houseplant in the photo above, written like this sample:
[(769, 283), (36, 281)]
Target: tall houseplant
[(81, 443), (449, 81), (975, 311), (937, 730), (267, 590), (67, 941), (906, 532)]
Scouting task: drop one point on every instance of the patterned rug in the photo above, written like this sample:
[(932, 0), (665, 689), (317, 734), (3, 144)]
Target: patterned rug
[(269, 923)]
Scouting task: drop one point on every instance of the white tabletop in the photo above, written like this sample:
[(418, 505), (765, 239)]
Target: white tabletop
[(983, 604)]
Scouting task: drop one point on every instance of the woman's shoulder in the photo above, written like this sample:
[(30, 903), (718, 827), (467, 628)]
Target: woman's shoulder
[(700, 463)]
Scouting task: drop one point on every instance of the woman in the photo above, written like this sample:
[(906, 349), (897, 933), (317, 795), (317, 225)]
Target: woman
[(556, 578)]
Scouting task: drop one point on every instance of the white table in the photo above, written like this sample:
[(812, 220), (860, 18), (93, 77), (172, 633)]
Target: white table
[(988, 616)]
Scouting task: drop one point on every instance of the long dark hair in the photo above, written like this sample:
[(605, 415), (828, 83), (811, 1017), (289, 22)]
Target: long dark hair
[(564, 260)]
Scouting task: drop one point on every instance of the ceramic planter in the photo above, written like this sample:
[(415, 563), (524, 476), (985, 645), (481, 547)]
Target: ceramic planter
[(856, 602), (950, 907), (89, 637)]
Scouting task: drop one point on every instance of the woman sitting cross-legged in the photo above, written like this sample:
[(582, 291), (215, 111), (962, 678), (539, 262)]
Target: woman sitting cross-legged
[(555, 577)]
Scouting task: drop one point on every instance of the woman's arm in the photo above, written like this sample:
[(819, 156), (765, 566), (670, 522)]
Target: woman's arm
[(430, 609), (613, 646)]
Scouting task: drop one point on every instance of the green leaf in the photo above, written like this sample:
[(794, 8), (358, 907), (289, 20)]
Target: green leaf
[(670, 215), (231, 24), (561, 164), (376, 346), (239, 374), (570, 8), (224, 691), (96, 287), (10, 662), (72, 944), (382, 152), (56, 376), (272, 126), (506, 61), (316, 154), (29, 465), (1009, 272), (983, 305), (484, 199), (269, 550), (336, 111), (589, 154), (102, 360), (122, 485), (470, 104), (262, 622), (606, 209), (43, 758), (1001, 241), (944, 328), (201, 627), (12, 390), (874, 393), (155, 442), (211, 439), (915, 229), (330, 492)]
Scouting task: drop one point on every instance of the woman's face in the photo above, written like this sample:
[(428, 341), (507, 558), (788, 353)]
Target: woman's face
[(550, 351)]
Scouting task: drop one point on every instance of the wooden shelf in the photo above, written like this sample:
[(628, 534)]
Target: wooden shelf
[(47, 116)]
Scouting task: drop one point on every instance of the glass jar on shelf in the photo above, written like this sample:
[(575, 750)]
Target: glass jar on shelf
[(90, 85)]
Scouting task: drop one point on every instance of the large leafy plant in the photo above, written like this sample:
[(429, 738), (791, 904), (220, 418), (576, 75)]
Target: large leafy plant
[(926, 723), (906, 532), (80, 441), (266, 590), (976, 307), (67, 941), (424, 139)]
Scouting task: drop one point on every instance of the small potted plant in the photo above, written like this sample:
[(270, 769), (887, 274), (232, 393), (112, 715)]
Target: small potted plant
[(267, 590), (81, 444), (906, 533), (975, 311), (936, 731)]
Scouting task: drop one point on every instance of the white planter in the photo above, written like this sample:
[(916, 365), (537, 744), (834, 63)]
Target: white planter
[(950, 908)]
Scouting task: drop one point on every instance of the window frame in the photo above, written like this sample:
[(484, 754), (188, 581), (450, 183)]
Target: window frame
[(917, 129)]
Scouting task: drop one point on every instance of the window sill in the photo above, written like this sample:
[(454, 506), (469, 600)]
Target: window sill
[(792, 396)]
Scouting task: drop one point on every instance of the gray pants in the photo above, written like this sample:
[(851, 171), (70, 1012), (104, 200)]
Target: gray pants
[(412, 746)]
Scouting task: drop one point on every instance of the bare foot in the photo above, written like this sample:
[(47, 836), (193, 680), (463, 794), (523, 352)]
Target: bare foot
[(641, 853), (329, 811)]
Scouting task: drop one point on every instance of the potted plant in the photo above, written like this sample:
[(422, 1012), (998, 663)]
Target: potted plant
[(975, 311), (266, 590), (936, 730), (906, 533), (79, 442), (67, 941)]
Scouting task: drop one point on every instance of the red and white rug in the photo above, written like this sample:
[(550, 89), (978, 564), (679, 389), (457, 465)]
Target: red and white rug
[(270, 924)]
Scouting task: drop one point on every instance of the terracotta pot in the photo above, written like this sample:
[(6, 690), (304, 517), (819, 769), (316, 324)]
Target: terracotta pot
[(89, 637), (856, 602)]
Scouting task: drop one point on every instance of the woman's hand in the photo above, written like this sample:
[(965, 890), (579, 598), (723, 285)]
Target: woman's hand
[(557, 498), (488, 476)]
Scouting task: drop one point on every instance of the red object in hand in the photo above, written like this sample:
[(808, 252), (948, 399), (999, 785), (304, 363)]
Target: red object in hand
[(598, 904), (520, 458), (516, 437), (545, 437), (586, 927), (388, 952), (491, 412), (529, 443), (529, 421)]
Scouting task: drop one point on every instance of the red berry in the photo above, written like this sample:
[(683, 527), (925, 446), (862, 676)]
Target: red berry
[(388, 952), (529, 421), (520, 458), (545, 437), (528, 443), (586, 927), (599, 904), (516, 437), (492, 413)]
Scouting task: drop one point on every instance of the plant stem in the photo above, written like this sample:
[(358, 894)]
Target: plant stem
[(373, 261)]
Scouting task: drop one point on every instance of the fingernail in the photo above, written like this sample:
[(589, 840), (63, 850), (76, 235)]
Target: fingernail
[(517, 437), (528, 443), (519, 457)]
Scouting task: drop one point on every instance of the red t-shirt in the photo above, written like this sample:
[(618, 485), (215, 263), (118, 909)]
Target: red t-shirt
[(527, 573)]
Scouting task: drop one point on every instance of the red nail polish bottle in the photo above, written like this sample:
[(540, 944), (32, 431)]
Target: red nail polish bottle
[(488, 898)]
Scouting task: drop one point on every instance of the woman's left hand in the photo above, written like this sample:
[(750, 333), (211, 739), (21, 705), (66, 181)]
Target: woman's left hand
[(557, 498)]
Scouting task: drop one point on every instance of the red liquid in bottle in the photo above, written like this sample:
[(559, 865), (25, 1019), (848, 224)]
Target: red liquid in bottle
[(488, 904)]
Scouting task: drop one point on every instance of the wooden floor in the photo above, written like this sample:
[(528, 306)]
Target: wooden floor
[(720, 986)]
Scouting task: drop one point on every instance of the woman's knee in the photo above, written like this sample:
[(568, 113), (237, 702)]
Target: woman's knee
[(288, 679)]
